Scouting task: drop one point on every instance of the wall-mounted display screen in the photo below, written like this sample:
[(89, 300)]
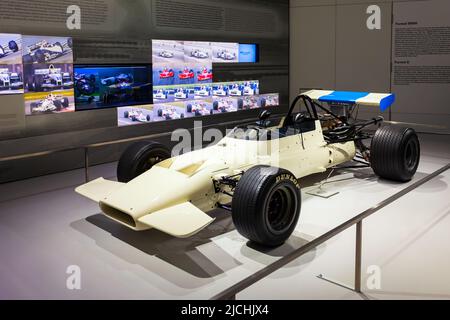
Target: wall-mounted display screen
[(98, 87), (11, 70), (248, 52), (187, 108)]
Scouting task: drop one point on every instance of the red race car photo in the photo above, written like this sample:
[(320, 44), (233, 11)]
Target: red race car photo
[(204, 75), (186, 74), (166, 73)]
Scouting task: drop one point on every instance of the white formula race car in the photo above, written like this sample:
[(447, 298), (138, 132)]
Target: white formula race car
[(169, 113), (166, 54), (256, 168), (198, 108), (199, 54), (137, 115), (226, 55), (51, 103)]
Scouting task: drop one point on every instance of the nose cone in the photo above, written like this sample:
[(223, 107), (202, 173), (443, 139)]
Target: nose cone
[(155, 189)]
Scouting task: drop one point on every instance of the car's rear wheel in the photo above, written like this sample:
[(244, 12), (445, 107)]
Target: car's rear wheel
[(266, 205), (395, 153), (140, 157)]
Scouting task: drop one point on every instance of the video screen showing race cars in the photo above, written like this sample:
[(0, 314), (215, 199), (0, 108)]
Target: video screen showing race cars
[(181, 62), (98, 87), (45, 49), (163, 94), (11, 70)]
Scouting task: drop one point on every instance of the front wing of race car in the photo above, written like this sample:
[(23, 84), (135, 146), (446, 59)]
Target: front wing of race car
[(143, 203)]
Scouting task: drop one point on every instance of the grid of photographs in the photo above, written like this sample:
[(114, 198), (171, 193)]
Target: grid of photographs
[(163, 111), (48, 74), (11, 69), (163, 94), (181, 62)]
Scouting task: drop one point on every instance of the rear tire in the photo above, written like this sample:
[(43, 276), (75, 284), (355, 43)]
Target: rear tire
[(139, 157), (395, 153), (266, 205)]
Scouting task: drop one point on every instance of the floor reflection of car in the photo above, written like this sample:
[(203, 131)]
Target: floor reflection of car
[(199, 54), (169, 113), (205, 74), (186, 73), (226, 55), (269, 101), (137, 115), (166, 73), (50, 103), (166, 54), (198, 108), (224, 105)]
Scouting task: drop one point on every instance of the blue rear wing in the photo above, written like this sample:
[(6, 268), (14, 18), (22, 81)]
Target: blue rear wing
[(381, 100)]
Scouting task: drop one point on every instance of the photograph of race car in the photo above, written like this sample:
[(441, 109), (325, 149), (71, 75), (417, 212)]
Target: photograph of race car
[(247, 88), (168, 112), (269, 100), (166, 73), (45, 77), (220, 90), (202, 91), (205, 75), (50, 103), (181, 94), (248, 102), (199, 108), (165, 51), (198, 52), (11, 81), (225, 52), (10, 48), (112, 86), (186, 75), (222, 105), (136, 115), (42, 49), (262, 193), (160, 95)]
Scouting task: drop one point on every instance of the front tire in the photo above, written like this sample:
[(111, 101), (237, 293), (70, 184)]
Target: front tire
[(395, 153), (266, 205), (139, 157)]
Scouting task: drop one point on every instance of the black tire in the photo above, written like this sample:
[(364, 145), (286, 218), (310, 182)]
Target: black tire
[(126, 114), (70, 42), (140, 157), (39, 56), (65, 102), (148, 118), (215, 105), (395, 153), (13, 46), (240, 104), (263, 102), (57, 104), (189, 108), (266, 205)]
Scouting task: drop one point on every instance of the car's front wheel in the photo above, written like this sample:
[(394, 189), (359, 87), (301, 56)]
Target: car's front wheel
[(140, 157), (266, 205)]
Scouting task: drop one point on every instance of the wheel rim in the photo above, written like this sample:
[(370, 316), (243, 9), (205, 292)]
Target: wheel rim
[(150, 162), (411, 155), (281, 208)]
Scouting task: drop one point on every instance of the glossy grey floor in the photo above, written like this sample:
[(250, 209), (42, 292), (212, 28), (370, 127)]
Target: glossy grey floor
[(46, 227)]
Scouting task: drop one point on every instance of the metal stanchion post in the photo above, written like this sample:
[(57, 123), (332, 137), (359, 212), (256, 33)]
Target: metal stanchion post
[(358, 253)]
